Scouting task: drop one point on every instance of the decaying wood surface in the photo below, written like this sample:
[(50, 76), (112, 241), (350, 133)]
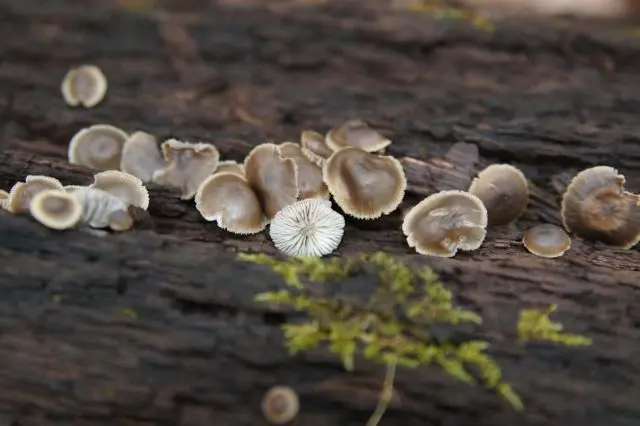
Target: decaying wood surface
[(158, 327)]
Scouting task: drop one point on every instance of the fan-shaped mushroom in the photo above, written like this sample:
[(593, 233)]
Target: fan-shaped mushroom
[(596, 206), (98, 206), (55, 209), (310, 183), (273, 178), (364, 185), (141, 156), (22, 193), (356, 133), (446, 222), (228, 199), (314, 147), (546, 240), (230, 166), (504, 190), (4, 198), (187, 165), (124, 186), (98, 147), (85, 85), (280, 405)]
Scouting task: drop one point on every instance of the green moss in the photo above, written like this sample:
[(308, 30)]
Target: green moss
[(535, 324), (442, 12)]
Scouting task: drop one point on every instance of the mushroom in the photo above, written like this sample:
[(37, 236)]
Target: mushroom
[(596, 206), (446, 222), (546, 240), (504, 190), (227, 199), (85, 85), (141, 156), (358, 134), (310, 183), (98, 207), (4, 199), (120, 220), (364, 185), (230, 166), (307, 228), (187, 165), (22, 193), (280, 405), (273, 178), (56, 209), (314, 147), (124, 186), (98, 147)]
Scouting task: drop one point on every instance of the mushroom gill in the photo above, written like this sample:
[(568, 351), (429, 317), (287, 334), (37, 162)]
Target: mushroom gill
[(314, 147), (56, 209), (98, 147), (141, 156), (127, 187), (4, 198), (98, 206), (22, 193), (310, 183), (358, 134), (85, 85)]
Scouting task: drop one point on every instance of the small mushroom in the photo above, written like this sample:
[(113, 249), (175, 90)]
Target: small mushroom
[(56, 209), (187, 165), (364, 185), (273, 178), (546, 240), (141, 156), (120, 220), (22, 193), (446, 222), (596, 207), (310, 183), (358, 134), (4, 198), (85, 85), (97, 206), (230, 166), (504, 190), (280, 405), (314, 147), (98, 147), (227, 199), (307, 228), (127, 187)]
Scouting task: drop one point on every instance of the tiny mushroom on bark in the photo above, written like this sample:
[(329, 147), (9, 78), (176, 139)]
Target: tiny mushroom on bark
[(230, 166), (98, 147), (273, 178), (446, 222), (546, 240), (364, 185), (141, 156), (356, 133), (4, 198), (280, 405), (127, 187), (22, 193), (56, 209), (227, 199), (504, 190), (85, 85), (314, 147), (307, 228), (187, 165), (98, 206), (310, 183), (596, 207)]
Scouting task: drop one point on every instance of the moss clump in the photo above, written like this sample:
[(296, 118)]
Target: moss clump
[(535, 324)]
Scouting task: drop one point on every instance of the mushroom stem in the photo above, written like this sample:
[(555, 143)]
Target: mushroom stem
[(386, 394)]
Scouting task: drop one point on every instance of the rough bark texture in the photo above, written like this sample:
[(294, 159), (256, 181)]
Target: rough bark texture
[(158, 326)]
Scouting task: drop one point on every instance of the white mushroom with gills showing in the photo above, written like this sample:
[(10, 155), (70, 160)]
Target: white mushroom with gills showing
[(56, 209), (22, 193), (364, 185), (98, 147), (446, 222), (310, 183), (314, 147), (280, 405), (141, 156), (307, 228), (546, 240), (85, 85), (99, 208), (227, 199), (230, 166), (127, 187), (358, 134)]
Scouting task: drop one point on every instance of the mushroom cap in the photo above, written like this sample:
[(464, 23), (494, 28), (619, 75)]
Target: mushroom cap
[(446, 222), (98, 147), (310, 183), (504, 190), (228, 199), (307, 228), (56, 209), (120, 220), (280, 405), (356, 133), (273, 178), (364, 185), (4, 198), (141, 156), (187, 165), (314, 148), (97, 206), (22, 193), (546, 240), (85, 85), (596, 207), (127, 187), (230, 166)]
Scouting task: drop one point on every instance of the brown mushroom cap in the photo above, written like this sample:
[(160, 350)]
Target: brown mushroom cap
[(55, 209), (310, 183), (314, 148), (187, 165), (356, 133), (546, 240), (97, 206), (141, 156), (364, 185), (22, 193), (124, 186), (228, 199), (4, 199), (596, 207), (230, 166), (280, 405), (98, 147), (446, 222), (504, 190), (273, 178), (85, 85)]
